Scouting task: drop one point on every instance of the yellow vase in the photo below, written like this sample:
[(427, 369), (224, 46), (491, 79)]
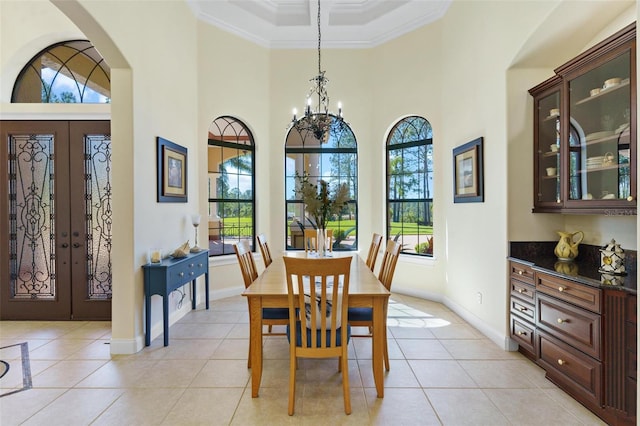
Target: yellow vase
[(567, 247)]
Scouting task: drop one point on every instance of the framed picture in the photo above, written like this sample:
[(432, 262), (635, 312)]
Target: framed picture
[(468, 176), (172, 172)]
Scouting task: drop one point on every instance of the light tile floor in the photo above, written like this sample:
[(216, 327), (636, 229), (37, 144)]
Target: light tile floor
[(443, 372)]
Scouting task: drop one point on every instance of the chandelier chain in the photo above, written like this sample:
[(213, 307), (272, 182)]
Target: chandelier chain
[(319, 40)]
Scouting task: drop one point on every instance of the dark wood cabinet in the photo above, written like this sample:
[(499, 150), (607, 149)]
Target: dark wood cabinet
[(584, 337), (585, 132)]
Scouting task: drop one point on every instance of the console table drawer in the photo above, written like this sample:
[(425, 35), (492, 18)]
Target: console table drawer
[(186, 272), (579, 373), (577, 327), (570, 291)]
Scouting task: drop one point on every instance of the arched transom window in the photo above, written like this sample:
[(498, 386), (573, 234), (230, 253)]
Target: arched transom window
[(67, 72), (410, 185)]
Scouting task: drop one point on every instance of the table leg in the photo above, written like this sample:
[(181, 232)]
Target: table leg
[(193, 295), (165, 318), (377, 343), (255, 343), (206, 289), (147, 319)]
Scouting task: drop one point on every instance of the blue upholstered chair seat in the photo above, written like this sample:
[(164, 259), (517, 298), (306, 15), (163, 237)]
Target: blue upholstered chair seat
[(309, 331), (275, 313), (360, 314)]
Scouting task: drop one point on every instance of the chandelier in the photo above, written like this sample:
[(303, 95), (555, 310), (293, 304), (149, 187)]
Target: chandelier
[(318, 120)]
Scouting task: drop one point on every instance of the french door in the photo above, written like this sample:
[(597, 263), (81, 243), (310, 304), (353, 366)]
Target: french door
[(55, 220)]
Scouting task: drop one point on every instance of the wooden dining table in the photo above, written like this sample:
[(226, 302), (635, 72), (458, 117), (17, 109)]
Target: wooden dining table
[(269, 290)]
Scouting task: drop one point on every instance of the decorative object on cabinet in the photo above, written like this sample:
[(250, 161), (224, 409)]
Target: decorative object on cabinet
[(612, 259), (171, 171), (567, 247), (182, 251), (588, 110), (468, 175), (195, 221)]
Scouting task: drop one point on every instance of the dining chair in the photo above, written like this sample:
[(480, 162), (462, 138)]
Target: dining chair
[(264, 250), (374, 248), (363, 317), (270, 316), (311, 239), (320, 330)]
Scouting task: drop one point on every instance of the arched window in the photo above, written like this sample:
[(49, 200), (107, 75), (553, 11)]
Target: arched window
[(410, 185), (231, 174), (333, 159), (67, 72)]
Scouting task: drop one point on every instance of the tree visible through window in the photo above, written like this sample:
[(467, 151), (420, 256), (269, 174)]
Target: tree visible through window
[(67, 72), (410, 185), (334, 160), (231, 185)]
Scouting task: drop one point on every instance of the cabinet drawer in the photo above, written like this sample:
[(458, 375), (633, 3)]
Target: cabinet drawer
[(570, 291), (523, 291), (522, 272), (523, 333), (523, 309), (575, 326), (570, 368)]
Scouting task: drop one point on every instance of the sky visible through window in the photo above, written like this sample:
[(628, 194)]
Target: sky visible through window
[(62, 84)]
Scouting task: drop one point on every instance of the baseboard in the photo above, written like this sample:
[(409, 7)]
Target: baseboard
[(126, 346)]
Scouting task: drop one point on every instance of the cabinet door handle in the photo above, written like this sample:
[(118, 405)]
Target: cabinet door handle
[(522, 290), (191, 265), (561, 362), (522, 309), (181, 274), (561, 289), (519, 272), (199, 265), (522, 333), (630, 198), (560, 320), (191, 273)]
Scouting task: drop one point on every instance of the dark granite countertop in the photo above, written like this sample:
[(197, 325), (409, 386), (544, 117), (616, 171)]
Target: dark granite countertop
[(584, 269)]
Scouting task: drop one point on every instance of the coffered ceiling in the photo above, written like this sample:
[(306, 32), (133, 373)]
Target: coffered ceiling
[(344, 23)]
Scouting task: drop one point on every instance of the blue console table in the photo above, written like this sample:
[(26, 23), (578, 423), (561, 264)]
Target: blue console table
[(164, 277)]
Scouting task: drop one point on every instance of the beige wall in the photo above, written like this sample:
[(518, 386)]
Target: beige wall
[(468, 74)]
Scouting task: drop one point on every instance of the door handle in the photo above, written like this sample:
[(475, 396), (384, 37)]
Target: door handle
[(76, 245), (64, 245)]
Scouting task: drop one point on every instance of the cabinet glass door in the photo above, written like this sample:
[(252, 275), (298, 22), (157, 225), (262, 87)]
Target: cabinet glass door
[(548, 152), (599, 132)]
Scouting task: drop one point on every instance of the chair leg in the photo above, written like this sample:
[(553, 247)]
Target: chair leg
[(270, 328), (386, 350), (293, 362), (249, 357), (344, 362)]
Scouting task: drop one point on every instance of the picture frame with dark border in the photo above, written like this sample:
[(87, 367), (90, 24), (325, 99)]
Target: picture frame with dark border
[(468, 173), (171, 171)]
